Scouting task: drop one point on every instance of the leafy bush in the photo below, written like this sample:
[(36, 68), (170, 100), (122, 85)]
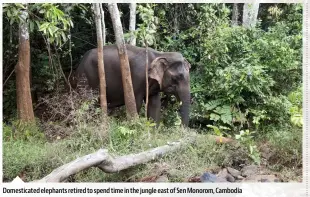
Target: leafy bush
[(239, 76), (295, 98)]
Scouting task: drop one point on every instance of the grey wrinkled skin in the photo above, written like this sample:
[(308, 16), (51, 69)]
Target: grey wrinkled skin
[(174, 78)]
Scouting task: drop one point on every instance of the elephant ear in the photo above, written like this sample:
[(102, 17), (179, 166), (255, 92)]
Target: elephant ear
[(187, 64), (157, 69)]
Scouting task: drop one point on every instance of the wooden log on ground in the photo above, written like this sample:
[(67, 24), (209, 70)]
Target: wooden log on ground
[(104, 161), (82, 163), (125, 162)]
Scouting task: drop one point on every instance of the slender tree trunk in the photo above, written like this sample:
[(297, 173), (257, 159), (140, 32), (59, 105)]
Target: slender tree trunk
[(23, 93), (103, 24), (235, 15), (103, 97), (146, 77), (129, 96), (132, 23), (250, 12)]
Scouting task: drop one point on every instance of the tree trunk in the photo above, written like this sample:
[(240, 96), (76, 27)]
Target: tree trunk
[(103, 25), (146, 77), (102, 81), (250, 12), (129, 96), (23, 93), (132, 23), (235, 15)]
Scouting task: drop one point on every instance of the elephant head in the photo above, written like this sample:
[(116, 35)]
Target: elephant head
[(171, 71)]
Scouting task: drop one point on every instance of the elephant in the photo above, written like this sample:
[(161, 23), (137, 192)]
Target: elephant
[(168, 72)]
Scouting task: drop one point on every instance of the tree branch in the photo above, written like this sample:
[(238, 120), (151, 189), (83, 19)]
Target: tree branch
[(125, 162), (104, 161), (63, 172)]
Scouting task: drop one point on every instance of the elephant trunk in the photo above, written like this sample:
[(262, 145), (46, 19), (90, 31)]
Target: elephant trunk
[(183, 92)]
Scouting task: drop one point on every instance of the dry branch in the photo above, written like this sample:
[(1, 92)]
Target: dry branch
[(63, 172), (103, 160), (125, 162)]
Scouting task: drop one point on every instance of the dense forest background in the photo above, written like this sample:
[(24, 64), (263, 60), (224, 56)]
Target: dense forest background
[(246, 84)]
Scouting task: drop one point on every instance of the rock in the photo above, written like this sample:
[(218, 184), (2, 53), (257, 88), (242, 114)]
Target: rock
[(211, 178), (163, 179), (235, 173), (223, 174), (230, 178), (193, 179), (249, 170), (262, 178), (240, 177)]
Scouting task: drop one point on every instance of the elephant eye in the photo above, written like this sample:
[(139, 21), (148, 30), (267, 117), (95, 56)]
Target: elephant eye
[(178, 77)]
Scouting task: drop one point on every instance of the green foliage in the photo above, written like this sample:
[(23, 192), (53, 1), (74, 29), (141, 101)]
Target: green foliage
[(13, 12), (18, 130), (22, 156), (286, 146), (46, 73), (146, 30), (171, 114), (126, 131), (219, 131), (54, 24), (246, 138), (242, 80), (239, 76), (246, 69), (295, 98), (9, 101)]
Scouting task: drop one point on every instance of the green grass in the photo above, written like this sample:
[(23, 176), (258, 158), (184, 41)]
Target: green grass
[(37, 157), (287, 146)]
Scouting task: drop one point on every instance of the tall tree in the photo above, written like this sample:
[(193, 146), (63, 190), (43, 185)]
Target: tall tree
[(23, 93), (102, 81), (129, 96), (132, 23), (235, 14), (103, 25), (250, 12), (146, 32)]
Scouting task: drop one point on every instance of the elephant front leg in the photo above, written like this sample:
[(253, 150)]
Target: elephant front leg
[(153, 109), (139, 101)]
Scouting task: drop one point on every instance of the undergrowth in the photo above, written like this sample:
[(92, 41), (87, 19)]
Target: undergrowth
[(33, 151), (35, 157)]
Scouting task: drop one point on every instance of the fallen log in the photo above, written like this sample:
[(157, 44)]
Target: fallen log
[(125, 162), (104, 161), (82, 163)]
